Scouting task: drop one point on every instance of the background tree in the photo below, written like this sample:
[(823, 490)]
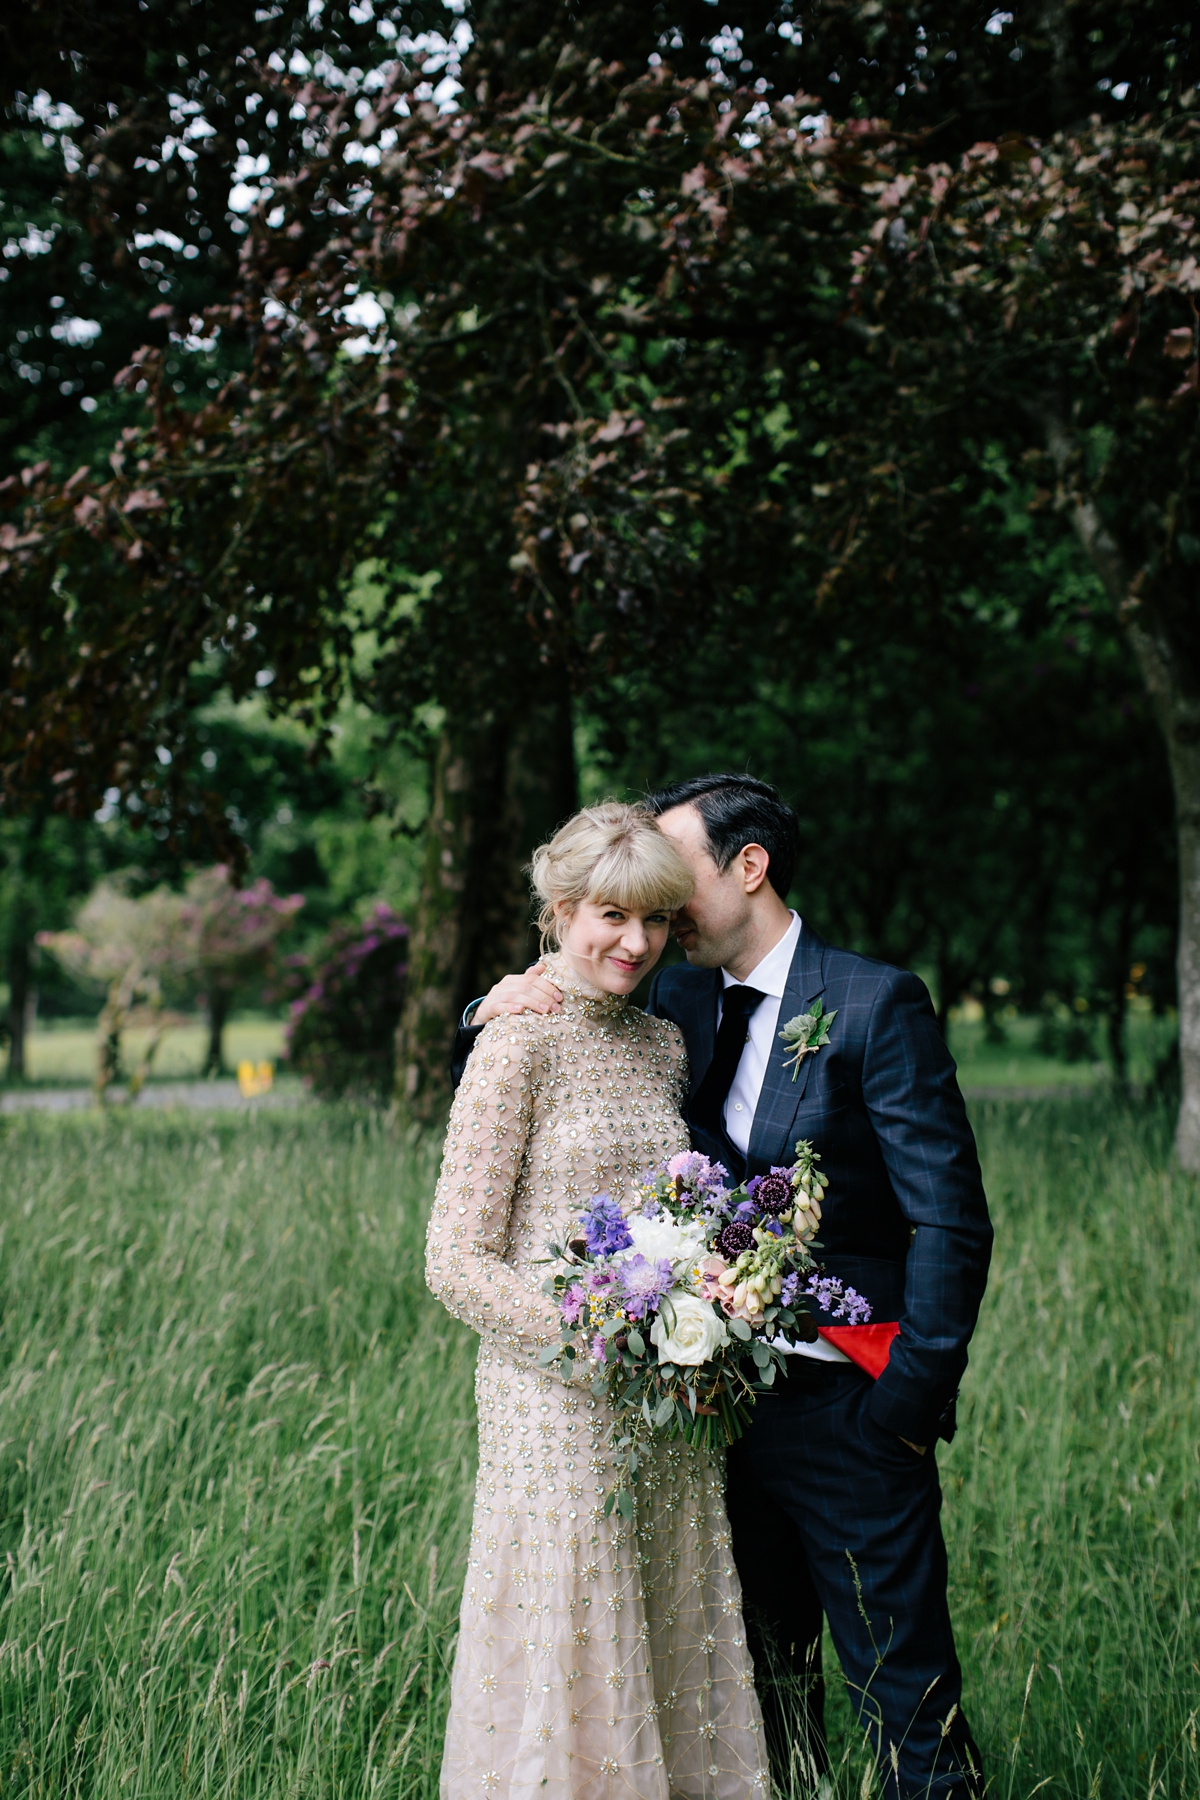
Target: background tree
[(46, 862), (227, 936), (129, 946), (610, 308), (1044, 295)]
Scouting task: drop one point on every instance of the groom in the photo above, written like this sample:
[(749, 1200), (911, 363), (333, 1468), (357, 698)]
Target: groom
[(833, 1491)]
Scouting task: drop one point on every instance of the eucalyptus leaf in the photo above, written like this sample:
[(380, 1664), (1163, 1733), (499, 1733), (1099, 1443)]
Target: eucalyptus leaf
[(625, 1502), (664, 1412), (637, 1343), (740, 1329)]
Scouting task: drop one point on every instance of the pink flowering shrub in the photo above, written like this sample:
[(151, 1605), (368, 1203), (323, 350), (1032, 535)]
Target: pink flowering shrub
[(342, 1028)]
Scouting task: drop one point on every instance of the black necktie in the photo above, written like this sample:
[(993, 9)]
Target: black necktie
[(708, 1106)]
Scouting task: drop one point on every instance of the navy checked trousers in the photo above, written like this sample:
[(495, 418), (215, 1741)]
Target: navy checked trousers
[(831, 1512)]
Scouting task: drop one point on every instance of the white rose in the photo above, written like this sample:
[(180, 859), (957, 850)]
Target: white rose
[(687, 1330), (654, 1239)]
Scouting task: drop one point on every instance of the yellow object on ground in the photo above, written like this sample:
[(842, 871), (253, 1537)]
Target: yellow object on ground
[(254, 1079)]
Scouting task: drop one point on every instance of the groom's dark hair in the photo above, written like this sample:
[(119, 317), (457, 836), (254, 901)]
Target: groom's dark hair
[(738, 810)]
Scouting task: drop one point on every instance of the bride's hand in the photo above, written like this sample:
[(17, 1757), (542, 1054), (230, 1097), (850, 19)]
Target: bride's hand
[(530, 992)]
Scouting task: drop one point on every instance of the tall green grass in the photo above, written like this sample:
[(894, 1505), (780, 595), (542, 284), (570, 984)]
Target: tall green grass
[(236, 1461), (236, 1456), (1073, 1489)]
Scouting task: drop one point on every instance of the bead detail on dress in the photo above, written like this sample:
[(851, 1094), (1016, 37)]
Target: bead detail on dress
[(598, 1658)]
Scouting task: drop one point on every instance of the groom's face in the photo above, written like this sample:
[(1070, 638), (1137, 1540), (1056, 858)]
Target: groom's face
[(712, 925)]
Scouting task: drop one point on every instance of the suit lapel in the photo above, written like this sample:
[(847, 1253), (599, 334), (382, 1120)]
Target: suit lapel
[(703, 1036), (782, 1093)]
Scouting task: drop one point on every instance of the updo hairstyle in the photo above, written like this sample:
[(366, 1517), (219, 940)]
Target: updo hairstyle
[(613, 855)]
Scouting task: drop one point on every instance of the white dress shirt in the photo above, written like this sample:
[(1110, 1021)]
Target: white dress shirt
[(770, 978)]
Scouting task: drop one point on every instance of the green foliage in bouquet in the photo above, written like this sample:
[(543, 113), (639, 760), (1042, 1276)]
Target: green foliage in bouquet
[(687, 1305)]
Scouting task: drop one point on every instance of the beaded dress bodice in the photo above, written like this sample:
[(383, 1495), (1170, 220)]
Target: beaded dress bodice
[(551, 1110), (598, 1659)]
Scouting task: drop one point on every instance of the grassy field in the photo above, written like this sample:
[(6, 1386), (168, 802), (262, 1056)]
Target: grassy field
[(1016, 1060), (65, 1055), (236, 1460)]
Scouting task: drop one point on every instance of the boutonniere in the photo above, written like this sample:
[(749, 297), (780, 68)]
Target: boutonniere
[(805, 1035)]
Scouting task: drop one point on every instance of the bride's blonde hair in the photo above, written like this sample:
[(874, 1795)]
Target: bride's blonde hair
[(613, 855)]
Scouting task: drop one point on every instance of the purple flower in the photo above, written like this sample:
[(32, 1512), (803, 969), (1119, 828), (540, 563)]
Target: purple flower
[(604, 1227), (643, 1284), (571, 1304), (734, 1239), (791, 1287), (833, 1296), (774, 1194), (599, 1343), (702, 1179), (752, 1187), (599, 1281), (745, 1212), (773, 1226)]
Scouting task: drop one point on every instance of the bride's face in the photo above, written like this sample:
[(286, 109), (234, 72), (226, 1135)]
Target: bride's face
[(611, 948)]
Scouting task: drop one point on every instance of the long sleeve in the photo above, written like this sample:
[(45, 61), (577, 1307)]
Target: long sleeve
[(468, 1244), (912, 1096)]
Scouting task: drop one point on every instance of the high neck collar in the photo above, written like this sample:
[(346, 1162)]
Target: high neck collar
[(579, 995)]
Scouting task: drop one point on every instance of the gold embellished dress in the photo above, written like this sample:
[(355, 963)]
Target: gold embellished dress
[(598, 1658)]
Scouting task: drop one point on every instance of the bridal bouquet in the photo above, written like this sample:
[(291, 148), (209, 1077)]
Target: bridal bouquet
[(684, 1304)]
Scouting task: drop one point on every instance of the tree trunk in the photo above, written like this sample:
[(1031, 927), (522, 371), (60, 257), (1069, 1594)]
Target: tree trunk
[(19, 990), (1118, 1005), (1177, 708), (219, 1002), (500, 786), (1175, 701)]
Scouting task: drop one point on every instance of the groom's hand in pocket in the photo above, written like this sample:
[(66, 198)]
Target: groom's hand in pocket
[(530, 992)]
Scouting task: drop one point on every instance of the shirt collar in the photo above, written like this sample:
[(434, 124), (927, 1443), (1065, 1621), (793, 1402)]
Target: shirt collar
[(770, 976)]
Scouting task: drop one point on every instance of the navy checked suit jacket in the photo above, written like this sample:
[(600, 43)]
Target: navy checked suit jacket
[(905, 1220)]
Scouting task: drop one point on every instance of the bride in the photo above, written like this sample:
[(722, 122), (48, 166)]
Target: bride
[(598, 1658)]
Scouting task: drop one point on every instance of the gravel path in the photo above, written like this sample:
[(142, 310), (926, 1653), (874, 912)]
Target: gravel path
[(219, 1095)]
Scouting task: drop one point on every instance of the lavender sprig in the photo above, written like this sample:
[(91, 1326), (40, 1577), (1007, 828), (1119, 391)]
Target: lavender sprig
[(833, 1296)]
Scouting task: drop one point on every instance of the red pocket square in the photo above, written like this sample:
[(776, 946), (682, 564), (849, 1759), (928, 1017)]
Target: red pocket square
[(867, 1345)]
